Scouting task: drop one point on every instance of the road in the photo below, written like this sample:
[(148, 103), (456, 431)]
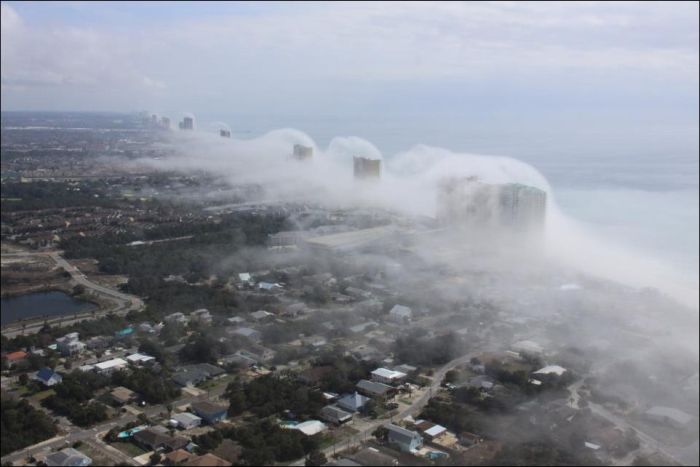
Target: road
[(93, 435), (624, 425), (123, 303)]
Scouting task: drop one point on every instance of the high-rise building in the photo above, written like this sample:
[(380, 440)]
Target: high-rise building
[(366, 168), (187, 124), (225, 133), (302, 152), (471, 203), (165, 123)]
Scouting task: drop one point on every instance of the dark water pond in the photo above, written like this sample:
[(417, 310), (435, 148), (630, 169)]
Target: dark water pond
[(37, 304)]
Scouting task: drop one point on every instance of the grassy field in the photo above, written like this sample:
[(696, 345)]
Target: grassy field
[(130, 449), (40, 396)]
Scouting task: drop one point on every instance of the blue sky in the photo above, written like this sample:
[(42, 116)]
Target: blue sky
[(353, 58)]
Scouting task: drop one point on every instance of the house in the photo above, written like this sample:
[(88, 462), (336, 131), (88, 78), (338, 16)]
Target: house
[(140, 359), (191, 375), (405, 440), (260, 315), (238, 359), (309, 427), (669, 416), (177, 457), (207, 460), (551, 370), (235, 320), (386, 376), (69, 344), (15, 357), (362, 327), (269, 286), (346, 462), (258, 352), (353, 402), (202, 315), (429, 429), (68, 456), (400, 314), (210, 412), (186, 420), (315, 341), (48, 377), (121, 395), (249, 333), (110, 366), (245, 278), (98, 342), (336, 415), (374, 389), (157, 438), (470, 439)]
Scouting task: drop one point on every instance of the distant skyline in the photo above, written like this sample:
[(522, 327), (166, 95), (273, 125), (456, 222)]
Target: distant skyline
[(306, 58)]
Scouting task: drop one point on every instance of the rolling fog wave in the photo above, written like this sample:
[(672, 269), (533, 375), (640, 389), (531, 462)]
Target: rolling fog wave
[(408, 184)]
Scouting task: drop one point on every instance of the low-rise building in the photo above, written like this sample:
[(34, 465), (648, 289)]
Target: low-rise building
[(353, 402), (110, 366), (202, 316), (210, 412), (157, 438), (336, 415), (400, 314), (48, 377), (386, 376), (140, 359), (121, 395), (249, 333), (374, 389), (68, 456), (405, 440), (186, 420), (70, 344)]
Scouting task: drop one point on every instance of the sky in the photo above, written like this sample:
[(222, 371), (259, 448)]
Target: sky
[(346, 58)]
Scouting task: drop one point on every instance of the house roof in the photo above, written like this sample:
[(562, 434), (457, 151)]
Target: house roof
[(401, 435), (353, 402), (373, 387), (122, 394), (113, 363), (207, 408), (46, 374), (309, 427), (178, 456), (401, 310), (185, 417), (551, 369), (154, 438), (372, 456), (389, 374), (15, 356), (68, 456), (335, 412)]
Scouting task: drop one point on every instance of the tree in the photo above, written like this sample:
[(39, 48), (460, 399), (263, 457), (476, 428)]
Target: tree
[(451, 377), (316, 457), (79, 289), (155, 458), (380, 433), (23, 379)]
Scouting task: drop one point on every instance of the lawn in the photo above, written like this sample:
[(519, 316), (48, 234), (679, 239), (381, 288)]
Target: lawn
[(130, 449), (40, 396)]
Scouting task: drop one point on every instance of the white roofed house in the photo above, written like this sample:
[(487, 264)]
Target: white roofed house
[(386, 376), (400, 314), (249, 333), (260, 315), (335, 414), (140, 359), (202, 315), (69, 344), (110, 366)]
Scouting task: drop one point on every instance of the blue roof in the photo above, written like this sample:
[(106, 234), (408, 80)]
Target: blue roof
[(45, 374), (125, 331)]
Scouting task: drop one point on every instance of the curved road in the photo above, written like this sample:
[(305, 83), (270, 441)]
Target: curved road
[(123, 303)]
